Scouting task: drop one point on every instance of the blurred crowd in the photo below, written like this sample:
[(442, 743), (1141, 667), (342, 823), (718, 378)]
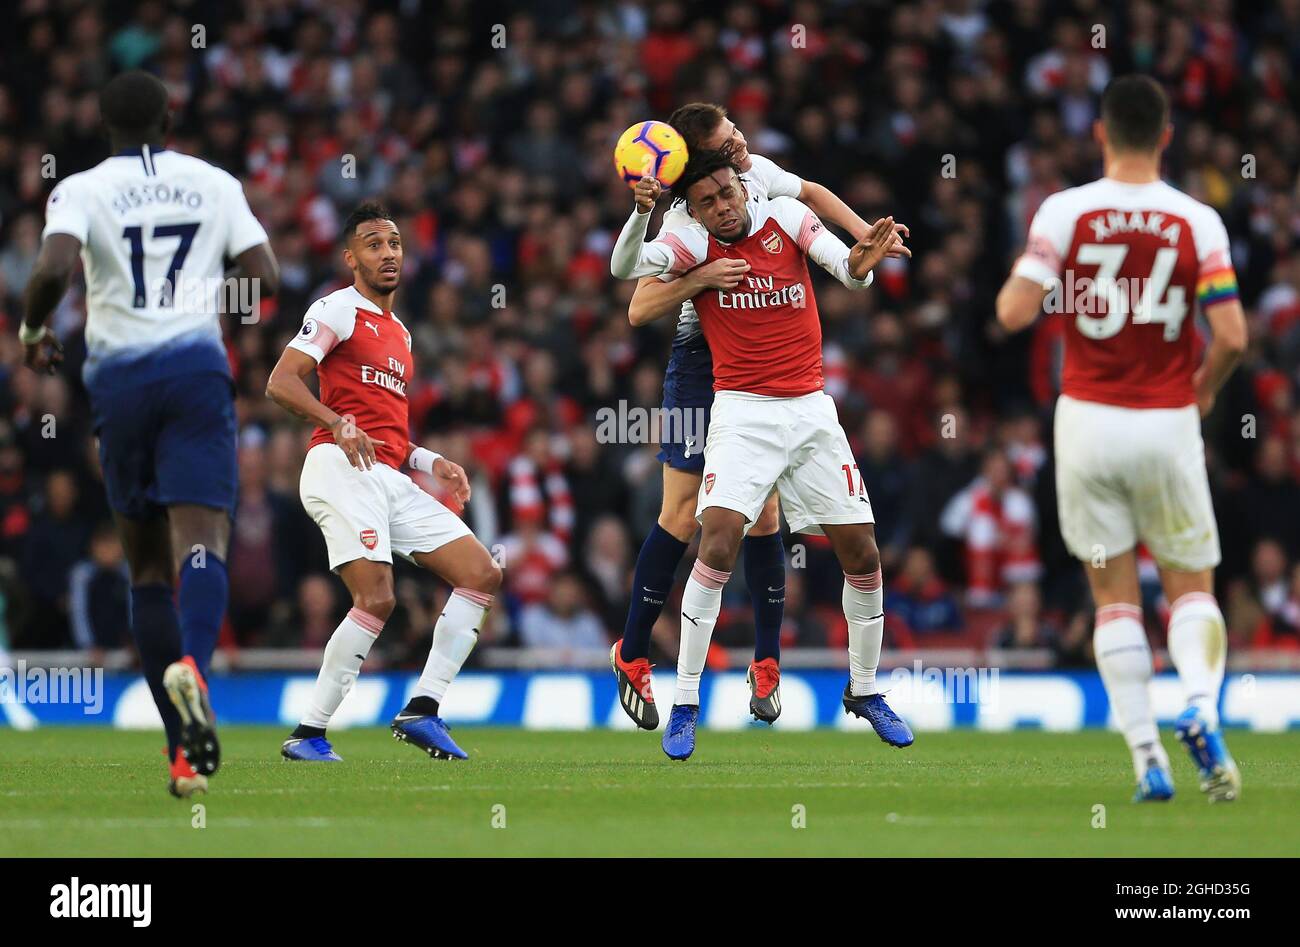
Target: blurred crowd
[(487, 128)]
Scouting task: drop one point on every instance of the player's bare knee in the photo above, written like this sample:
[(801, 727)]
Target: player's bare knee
[(718, 547), (678, 519), (768, 522), (379, 605), (486, 577), (861, 557), (377, 600)]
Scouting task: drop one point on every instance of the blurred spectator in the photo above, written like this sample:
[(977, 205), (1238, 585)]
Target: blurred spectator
[(918, 602), (564, 620), (99, 593), (997, 522), (1025, 627)]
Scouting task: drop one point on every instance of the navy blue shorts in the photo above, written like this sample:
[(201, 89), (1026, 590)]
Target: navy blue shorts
[(688, 399), (168, 441)]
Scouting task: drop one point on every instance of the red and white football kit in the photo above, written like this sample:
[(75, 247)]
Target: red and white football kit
[(772, 424), (1127, 264), (364, 364)]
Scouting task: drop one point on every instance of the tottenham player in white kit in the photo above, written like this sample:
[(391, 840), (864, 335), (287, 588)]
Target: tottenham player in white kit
[(1127, 258), (688, 387), (155, 231), (773, 426), (366, 508)]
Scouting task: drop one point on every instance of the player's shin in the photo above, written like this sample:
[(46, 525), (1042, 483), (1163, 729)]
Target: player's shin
[(1124, 660), (1198, 645), (344, 654), (204, 592), (158, 639), (454, 637), (660, 555), (701, 603), (863, 601), (765, 575)]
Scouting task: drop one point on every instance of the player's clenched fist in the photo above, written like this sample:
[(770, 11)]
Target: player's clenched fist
[(356, 443), (646, 193), (41, 350), (720, 274)]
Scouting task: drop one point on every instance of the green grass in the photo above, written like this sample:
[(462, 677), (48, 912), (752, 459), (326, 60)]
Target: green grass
[(94, 792)]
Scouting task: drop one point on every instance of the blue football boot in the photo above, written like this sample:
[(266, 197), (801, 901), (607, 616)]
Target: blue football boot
[(1220, 778), (429, 733), (1156, 785), (873, 709), (679, 735), (309, 750)]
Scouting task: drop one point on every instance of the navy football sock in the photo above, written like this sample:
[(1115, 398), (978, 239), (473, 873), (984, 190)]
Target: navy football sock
[(655, 564), (158, 639), (205, 589), (765, 576)]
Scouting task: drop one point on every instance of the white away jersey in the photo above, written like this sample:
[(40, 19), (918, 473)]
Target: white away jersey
[(155, 228), (764, 180)]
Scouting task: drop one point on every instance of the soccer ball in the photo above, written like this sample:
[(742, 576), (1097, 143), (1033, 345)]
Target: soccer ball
[(653, 148)]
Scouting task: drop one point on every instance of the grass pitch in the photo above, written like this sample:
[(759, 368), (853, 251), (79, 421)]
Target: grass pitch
[(75, 792)]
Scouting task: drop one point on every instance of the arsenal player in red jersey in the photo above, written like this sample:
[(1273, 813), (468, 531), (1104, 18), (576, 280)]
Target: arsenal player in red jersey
[(1124, 261), (365, 507), (772, 424)]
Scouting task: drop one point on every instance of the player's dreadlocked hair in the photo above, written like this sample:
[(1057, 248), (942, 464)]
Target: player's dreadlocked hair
[(371, 210), (703, 163), (696, 122), (134, 105)]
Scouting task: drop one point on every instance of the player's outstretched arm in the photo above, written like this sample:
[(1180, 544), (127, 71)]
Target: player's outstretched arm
[(49, 281), (654, 299), (1228, 343), (827, 205), (287, 387), (1019, 302)]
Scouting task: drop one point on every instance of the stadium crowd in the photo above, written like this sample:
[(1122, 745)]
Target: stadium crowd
[(487, 129)]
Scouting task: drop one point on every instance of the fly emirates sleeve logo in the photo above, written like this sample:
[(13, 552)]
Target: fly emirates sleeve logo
[(393, 378), (761, 292)]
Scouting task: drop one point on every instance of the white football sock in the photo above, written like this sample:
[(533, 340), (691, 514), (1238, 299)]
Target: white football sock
[(454, 637), (1198, 645), (1124, 659), (863, 601), (701, 601), (344, 655)]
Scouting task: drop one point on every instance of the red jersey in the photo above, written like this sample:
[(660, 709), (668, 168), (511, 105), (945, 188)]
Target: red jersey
[(364, 363), (1126, 265), (765, 333)]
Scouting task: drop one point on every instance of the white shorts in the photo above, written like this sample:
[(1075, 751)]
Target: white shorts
[(1125, 475), (371, 514), (796, 445)]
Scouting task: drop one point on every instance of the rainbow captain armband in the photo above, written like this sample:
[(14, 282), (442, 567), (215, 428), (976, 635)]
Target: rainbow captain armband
[(1217, 286), (422, 459)]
